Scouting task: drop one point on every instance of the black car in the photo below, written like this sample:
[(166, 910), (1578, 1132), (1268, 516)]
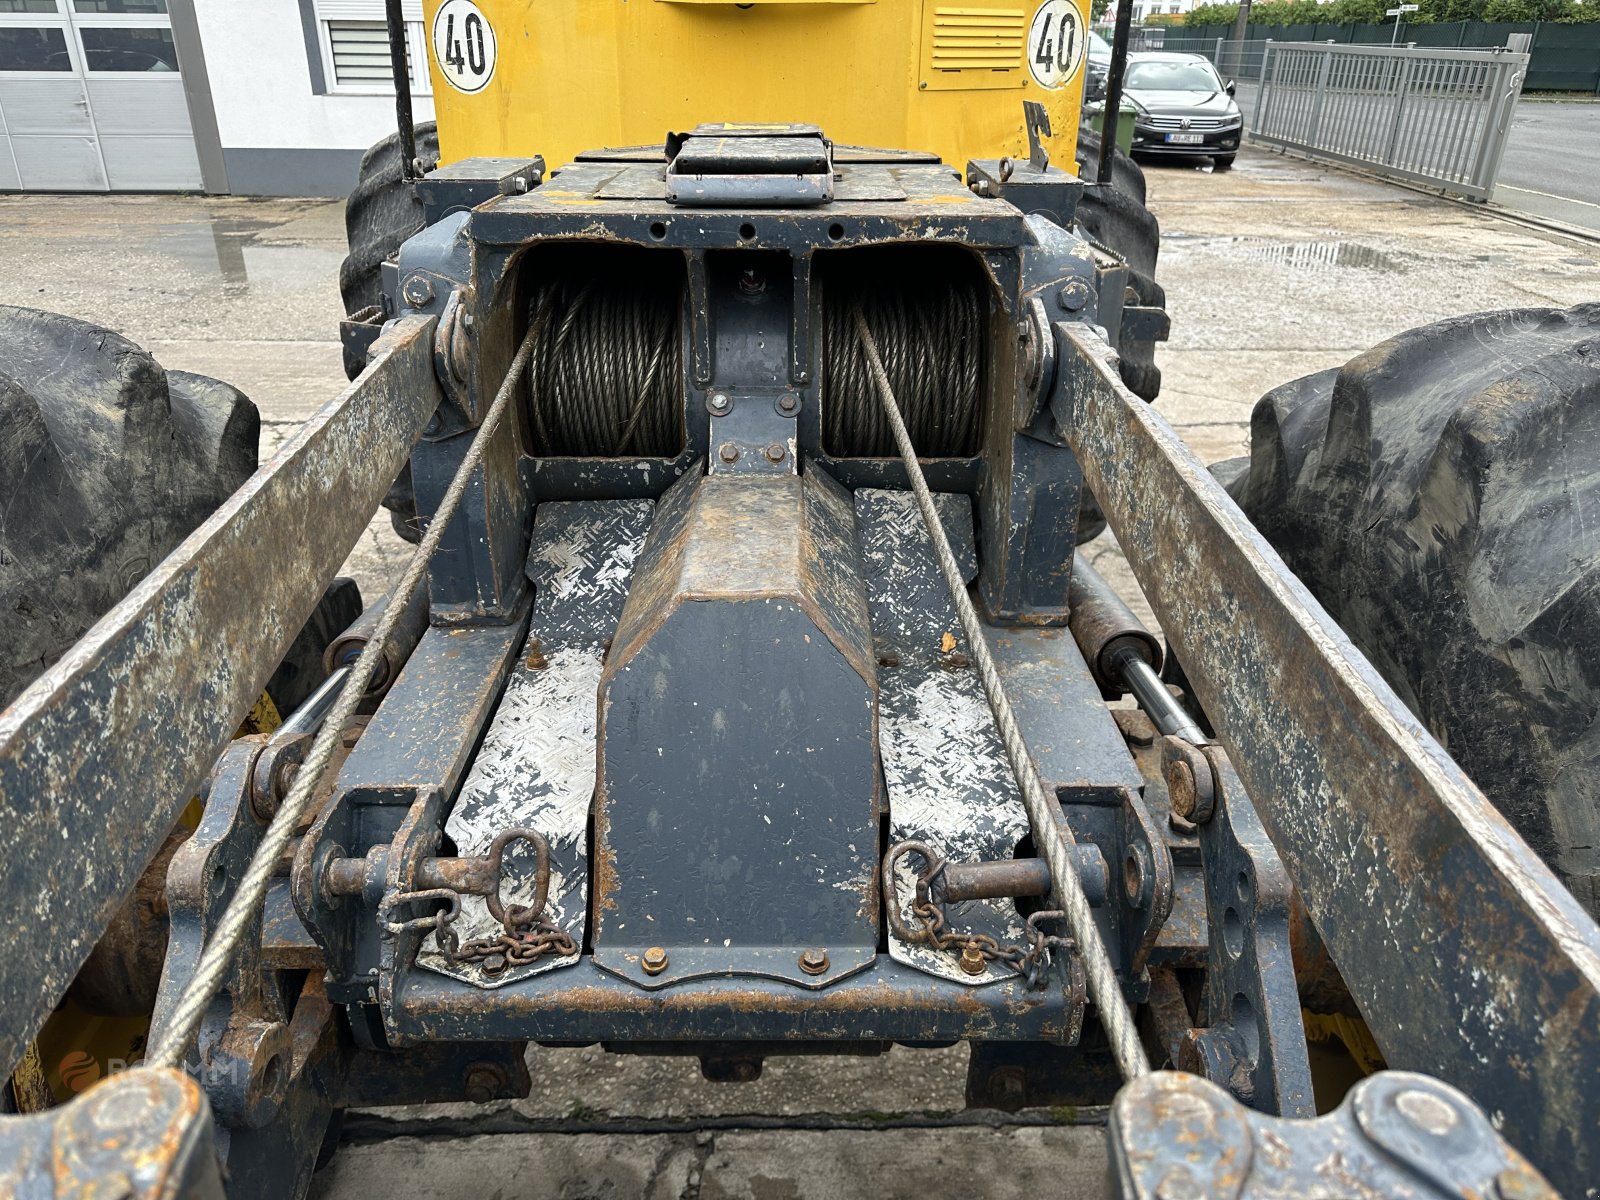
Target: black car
[(1183, 106), (1097, 68)]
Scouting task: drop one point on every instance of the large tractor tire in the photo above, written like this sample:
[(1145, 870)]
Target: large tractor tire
[(106, 463), (1440, 495), (1116, 218), (380, 213)]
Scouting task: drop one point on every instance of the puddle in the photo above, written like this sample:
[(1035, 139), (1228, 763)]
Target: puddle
[(1309, 256), (226, 247)]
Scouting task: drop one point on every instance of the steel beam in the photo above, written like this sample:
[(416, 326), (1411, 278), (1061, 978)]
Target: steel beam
[(1466, 956), (99, 755)]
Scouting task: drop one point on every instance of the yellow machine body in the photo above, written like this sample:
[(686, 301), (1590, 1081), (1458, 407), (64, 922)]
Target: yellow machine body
[(513, 78)]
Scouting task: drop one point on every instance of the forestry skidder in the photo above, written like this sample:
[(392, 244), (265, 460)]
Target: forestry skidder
[(745, 694)]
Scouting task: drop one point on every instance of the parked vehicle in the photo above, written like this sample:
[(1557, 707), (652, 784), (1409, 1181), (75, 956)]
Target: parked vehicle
[(1184, 107), (1098, 70)]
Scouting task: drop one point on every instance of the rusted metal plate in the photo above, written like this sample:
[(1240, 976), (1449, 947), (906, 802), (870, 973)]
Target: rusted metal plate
[(100, 753), (948, 781), (141, 1135), (587, 1003), (1397, 1135), (535, 769), (1466, 956)]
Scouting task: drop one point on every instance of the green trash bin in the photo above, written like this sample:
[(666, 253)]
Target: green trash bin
[(1094, 115)]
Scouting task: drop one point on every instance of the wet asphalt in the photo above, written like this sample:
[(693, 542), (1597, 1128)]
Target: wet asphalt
[(1273, 270)]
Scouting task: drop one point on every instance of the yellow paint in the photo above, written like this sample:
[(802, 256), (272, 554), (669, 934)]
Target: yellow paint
[(1352, 1032), (575, 75)]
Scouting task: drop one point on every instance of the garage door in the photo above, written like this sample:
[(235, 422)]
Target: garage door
[(91, 99)]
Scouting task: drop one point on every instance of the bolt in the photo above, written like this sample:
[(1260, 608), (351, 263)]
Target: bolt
[(654, 961), (972, 960), (1427, 1111), (728, 453), (1180, 786), (788, 404), (1074, 296), (418, 291), (718, 404), (752, 282), (1133, 875), (1008, 1088), (1191, 787), (775, 452), (483, 1082), (814, 961), (494, 964)]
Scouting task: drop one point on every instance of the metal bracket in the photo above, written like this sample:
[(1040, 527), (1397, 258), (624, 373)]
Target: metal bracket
[(1253, 1041), (1037, 118), (766, 166)]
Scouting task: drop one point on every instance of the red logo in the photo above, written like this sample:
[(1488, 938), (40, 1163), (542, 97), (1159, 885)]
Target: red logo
[(78, 1070)]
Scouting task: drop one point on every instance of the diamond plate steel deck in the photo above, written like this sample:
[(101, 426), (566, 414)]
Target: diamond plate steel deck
[(948, 781), (536, 768)]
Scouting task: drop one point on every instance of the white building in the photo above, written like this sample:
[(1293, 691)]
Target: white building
[(252, 97), (1143, 10)]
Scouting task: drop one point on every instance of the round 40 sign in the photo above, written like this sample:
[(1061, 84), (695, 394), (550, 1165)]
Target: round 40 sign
[(463, 45), (1055, 43)]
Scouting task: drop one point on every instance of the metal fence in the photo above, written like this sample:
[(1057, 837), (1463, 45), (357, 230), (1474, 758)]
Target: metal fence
[(1428, 116)]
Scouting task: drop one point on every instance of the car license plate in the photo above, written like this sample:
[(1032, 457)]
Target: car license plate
[(1185, 139)]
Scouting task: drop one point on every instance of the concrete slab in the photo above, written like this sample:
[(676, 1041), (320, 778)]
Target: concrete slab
[(891, 1164), (525, 1166)]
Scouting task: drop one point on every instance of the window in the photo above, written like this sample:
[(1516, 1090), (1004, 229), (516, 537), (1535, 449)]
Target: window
[(354, 41), (143, 8), (33, 50), (107, 48), (28, 6)]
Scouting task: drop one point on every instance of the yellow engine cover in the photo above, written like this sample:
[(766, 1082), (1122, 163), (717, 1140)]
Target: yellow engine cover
[(557, 77)]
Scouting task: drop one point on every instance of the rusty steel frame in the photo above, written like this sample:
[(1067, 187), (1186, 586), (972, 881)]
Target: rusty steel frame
[(97, 759), (1466, 956)]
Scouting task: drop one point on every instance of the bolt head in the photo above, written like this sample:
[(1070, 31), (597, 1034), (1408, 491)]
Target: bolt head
[(719, 403), (483, 1082), (1133, 876), (654, 961), (814, 961), (972, 960), (1427, 1112), (494, 964), (1074, 296), (728, 452), (788, 404), (1180, 787), (775, 452), (417, 291)]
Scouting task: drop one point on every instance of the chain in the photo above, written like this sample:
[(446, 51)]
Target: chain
[(517, 945), (525, 936), (975, 951)]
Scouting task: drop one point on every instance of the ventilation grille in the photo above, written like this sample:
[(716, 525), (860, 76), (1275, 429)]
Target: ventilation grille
[(973, 47), (360, 53)]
